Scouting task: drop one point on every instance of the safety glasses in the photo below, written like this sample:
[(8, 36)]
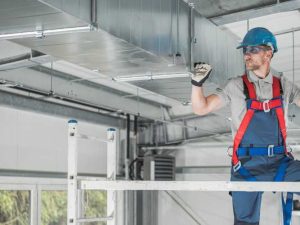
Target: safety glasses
[(253, 49)]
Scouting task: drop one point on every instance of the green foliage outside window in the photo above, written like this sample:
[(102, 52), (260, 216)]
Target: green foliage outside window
[(14, 208), (54, 207), (95, 205)]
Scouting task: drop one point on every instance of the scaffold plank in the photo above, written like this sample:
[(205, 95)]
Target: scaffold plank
[(190, 186)]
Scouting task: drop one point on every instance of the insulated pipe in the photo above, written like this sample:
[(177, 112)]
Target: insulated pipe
[(15, 58)]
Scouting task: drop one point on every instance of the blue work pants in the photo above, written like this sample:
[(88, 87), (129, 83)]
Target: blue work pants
[(246, 205)]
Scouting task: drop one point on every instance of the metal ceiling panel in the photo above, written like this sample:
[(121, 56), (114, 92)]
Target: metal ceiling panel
[(30, 15), (256, 12), (78, 8), (208, 8)]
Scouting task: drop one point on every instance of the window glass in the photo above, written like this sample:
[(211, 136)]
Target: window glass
[(94, 205), (15, 207), (54, 208)]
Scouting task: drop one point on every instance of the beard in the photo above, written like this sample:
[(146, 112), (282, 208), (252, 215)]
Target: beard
[(250, 65)]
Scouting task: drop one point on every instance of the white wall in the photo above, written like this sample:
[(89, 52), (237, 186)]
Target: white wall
[(33, 141)]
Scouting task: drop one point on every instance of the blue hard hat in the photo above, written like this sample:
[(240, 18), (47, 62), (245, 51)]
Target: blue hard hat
[(259, 36)]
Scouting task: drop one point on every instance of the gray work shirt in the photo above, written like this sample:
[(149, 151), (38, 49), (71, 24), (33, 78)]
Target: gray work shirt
[(233, 93)]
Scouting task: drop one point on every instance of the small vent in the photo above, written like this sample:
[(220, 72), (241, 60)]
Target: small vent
[(159, 167)]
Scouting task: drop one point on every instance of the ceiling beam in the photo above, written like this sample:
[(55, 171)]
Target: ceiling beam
[(287, 31), (256, 12)]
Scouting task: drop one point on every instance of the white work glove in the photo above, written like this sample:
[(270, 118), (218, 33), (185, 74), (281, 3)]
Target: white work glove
[(201, 73)]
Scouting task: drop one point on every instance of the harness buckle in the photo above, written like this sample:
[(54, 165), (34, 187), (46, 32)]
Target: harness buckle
[(270, 150), (266, 106), (237, 166), (229, 153)]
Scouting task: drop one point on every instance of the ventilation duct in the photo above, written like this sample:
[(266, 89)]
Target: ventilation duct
[(159, 167)]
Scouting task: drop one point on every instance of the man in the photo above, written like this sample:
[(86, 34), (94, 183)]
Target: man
[(258, 102)]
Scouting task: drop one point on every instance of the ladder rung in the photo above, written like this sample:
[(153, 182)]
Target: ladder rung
[(80, 178), (96, 219)]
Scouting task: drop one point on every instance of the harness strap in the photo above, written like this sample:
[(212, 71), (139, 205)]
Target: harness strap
[(250, 87), (280, 116), (246, 92), (277, 89), (281, 170), (287, 205), (246, 174), (240, 133), (256, 151), (287, 208), (262, 106)]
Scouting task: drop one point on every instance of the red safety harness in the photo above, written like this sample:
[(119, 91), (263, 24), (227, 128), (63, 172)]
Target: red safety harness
[(275, 103)]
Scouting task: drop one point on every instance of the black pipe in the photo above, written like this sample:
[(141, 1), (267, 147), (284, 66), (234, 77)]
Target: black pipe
[(135, 125), (128, 137), (94, 12)]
